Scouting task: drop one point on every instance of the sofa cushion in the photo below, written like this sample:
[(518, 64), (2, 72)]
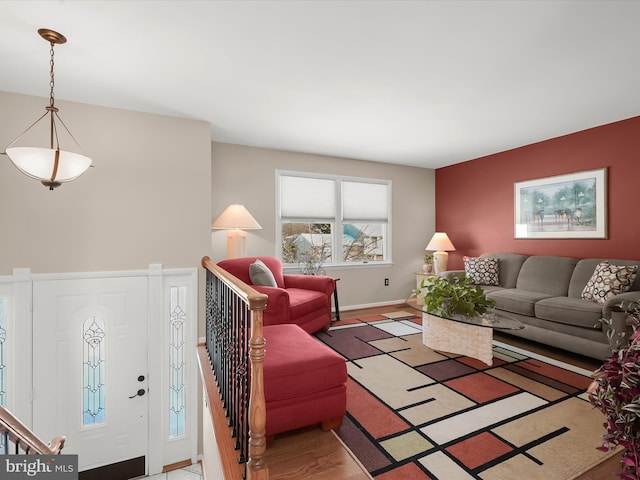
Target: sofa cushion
[(609, 280), (296, 364), (302, 302), (581, 275), (490, 288), (260, 274), (516, 300), (570, 311), (509, 265), (482, 270), (585, 268), (546, 274)]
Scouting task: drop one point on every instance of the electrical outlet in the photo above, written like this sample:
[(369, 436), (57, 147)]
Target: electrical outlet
[(386, 282)]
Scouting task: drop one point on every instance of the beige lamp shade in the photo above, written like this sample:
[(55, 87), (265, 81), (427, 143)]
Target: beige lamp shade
[(236, 218), (440, 243)]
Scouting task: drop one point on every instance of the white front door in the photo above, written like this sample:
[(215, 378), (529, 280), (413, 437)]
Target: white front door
[(90, 358)]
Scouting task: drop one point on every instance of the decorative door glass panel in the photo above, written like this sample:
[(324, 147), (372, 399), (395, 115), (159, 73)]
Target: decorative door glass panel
[(3, 353), (94, 366), (177, 364)]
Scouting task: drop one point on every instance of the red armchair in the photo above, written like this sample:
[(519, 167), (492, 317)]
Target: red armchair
[(304, 300)]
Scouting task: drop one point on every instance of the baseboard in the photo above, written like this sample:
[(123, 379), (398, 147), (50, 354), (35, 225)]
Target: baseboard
[(372, 305)]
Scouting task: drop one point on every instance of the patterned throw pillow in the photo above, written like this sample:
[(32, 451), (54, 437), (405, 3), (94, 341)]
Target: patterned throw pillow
[(609, 280), (482, 270)]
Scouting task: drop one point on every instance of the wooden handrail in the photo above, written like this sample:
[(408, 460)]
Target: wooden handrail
[(18, 433), (256, 302)]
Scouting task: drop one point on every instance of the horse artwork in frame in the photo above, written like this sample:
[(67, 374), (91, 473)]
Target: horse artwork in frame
[(564, 206)]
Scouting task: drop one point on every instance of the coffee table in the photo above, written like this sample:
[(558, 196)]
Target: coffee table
[(470, 336)]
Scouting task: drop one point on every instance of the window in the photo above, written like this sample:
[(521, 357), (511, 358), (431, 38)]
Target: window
[(177, 362), (93, 370), (328, 220)]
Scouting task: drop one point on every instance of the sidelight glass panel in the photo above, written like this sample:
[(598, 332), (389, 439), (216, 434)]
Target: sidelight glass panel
[(94, 367), (3, 355), (177, 363), (3, 365)]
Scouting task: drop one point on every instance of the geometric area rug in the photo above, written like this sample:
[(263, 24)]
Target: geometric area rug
[(417, 414)]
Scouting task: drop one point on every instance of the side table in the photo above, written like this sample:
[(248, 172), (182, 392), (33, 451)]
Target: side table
[(420, 276), (336, 314)]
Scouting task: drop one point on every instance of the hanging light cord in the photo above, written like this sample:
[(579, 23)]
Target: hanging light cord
[(52, 80), (54, 111), (52, 108)]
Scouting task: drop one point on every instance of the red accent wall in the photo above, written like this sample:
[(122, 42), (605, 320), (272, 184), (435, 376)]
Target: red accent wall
[(475, 204)]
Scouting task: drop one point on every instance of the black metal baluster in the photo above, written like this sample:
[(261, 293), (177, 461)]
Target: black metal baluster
[(238, 307), (243, 385), (224, 304), (233, 355), (227, 343)]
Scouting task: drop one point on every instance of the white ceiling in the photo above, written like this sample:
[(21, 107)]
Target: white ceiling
[(424, 83)]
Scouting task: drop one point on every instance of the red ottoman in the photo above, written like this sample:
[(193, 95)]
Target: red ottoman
[(304, 381)]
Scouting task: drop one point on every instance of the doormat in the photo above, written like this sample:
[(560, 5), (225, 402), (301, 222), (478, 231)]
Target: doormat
[(414, 413)]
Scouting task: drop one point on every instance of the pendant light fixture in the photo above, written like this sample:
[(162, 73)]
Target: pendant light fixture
[(52, 166)]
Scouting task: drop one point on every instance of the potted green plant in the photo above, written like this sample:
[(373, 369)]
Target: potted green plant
[(454, 294), (615, 391), (427, 266)]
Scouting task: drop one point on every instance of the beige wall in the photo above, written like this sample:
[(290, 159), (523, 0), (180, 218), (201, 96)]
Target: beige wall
[(146, 201), (247, 175)]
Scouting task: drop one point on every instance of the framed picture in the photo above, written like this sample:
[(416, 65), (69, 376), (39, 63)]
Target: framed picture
[(564, 206)]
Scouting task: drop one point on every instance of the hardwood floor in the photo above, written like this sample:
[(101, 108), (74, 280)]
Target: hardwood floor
[(312, 454), (316, 455)]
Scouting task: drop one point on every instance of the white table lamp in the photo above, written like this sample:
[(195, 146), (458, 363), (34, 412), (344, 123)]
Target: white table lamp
[(236, 218), (440, 243)]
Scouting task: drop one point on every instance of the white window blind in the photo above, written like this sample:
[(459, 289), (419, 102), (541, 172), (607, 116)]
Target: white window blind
[(303, 197), (364, 202)]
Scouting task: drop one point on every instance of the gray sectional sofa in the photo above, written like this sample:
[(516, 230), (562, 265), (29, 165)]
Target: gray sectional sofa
[(545, 293)]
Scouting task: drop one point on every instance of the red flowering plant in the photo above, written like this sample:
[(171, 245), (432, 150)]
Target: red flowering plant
[(615, 391)]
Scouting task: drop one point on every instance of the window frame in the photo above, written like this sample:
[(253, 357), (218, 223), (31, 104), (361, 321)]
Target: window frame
[(337, 223)]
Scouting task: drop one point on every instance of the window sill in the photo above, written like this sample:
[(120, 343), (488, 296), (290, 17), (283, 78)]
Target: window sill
[(341, 266)]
